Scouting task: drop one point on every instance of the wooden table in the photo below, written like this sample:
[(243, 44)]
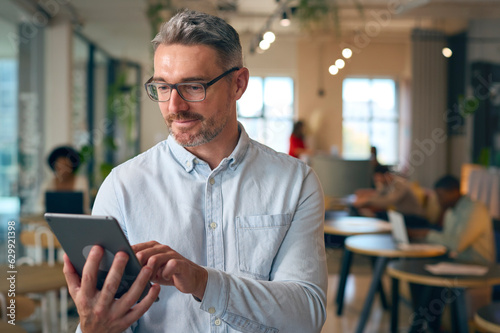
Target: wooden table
[(383, 248), (356, 225), (33, 279), (414, 271), (349, 226), (8, 328), (488, 318)]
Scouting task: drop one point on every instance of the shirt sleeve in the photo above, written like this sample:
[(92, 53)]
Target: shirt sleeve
[(297, 287), (79, 330)]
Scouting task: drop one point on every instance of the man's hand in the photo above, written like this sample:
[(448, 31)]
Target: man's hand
[(172, 269), (98, 309)]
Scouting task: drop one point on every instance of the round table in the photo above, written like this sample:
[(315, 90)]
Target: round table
[(383, 248), (414, 271), (356, 225), (488, 318), (348, 226)]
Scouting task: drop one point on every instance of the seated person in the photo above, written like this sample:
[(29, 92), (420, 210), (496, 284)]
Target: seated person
[(392, 192), (468, 235), (64, 161)]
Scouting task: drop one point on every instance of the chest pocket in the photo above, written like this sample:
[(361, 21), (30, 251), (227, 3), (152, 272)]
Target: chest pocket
[(259, 238)]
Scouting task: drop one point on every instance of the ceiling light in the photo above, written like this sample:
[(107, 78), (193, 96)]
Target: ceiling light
[(285, 21), (269, 37), (347, 53), (447, 52), (333, 69), (339, 63), (264, 45)]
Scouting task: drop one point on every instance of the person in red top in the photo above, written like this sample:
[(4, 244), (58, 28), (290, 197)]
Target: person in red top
[(297, 144)]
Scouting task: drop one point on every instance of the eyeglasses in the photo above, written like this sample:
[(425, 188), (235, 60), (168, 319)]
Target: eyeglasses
[(189, 91)]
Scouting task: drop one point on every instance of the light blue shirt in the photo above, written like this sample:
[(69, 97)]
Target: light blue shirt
[(255, 223)]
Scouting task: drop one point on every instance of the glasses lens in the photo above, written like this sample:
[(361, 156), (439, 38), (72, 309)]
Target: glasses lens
[(163, 92), (152, 91), (191, 91), (158, 92)]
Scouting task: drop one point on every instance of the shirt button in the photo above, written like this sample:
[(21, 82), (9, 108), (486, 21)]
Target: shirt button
[(212, 181), (211, 310), (217, 322), (213, 225), (188, 164)]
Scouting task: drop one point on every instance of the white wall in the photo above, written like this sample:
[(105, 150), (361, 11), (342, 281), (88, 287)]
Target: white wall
[(58, 84), (279, 60), (484, 43)]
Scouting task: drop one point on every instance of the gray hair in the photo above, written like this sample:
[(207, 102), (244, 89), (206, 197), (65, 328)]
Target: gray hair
[(190, 27)]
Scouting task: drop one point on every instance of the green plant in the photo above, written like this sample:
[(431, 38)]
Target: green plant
[(323, 15), (121, 113), (154, 13)]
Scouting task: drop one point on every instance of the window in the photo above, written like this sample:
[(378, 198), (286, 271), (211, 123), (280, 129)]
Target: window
[(266, 111), (8, 127), (370, 118)]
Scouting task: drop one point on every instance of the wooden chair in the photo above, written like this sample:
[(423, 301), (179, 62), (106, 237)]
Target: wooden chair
[(40, 239), (25, 307)]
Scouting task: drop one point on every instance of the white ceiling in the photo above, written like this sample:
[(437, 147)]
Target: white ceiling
[(122, 29)]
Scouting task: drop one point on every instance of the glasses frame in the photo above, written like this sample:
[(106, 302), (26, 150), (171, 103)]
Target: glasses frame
[(176, 85)]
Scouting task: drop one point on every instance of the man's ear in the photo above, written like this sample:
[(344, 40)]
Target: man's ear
[(241, 78)]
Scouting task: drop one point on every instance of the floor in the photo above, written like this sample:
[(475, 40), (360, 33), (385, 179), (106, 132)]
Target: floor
[(356, 289)]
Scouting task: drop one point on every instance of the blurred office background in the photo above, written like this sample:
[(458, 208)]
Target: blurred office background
[(419, 80)]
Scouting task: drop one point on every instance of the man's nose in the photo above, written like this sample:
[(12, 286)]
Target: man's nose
[(176, 102)]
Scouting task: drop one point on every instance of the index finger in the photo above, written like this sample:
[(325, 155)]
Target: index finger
[(142, 246), (72, 277)]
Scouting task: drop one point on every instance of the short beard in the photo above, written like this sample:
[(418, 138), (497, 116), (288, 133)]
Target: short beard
[(210, 129)]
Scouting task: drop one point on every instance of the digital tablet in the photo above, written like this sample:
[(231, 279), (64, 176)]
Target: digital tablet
[(78, 233)]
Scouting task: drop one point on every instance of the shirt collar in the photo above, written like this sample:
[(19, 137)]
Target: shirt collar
[(188, 161)]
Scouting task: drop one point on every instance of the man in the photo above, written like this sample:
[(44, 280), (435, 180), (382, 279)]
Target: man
[(468, 235), (392, 192), (467, 227), (230, 229)]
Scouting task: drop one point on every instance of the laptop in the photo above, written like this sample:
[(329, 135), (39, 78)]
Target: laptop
[(64, 202), (400, 233)]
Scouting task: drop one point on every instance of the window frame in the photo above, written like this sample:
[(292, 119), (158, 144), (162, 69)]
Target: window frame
[(263, 111), (370, 119)]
